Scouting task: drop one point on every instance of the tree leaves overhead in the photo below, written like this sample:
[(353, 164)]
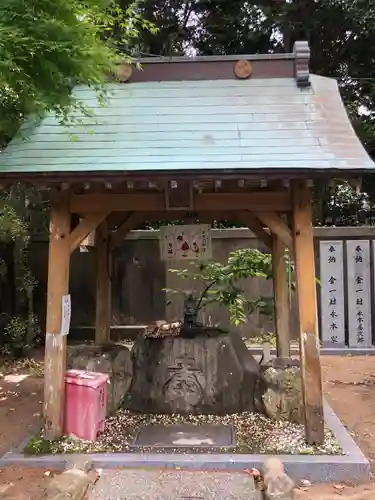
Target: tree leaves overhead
[(172, 20), (47, 47)]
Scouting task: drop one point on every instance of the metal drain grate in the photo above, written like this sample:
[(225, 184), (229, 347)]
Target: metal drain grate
[(186, 436)]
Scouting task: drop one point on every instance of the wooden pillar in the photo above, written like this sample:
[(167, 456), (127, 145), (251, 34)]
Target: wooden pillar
[(103, 318), (58, 286), (307, 305), (281, 299)]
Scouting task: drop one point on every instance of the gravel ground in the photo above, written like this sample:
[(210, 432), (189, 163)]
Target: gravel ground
[(255, 433), (167, 485)]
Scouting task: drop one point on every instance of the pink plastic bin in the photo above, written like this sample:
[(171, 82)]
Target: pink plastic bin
[(85, 403)]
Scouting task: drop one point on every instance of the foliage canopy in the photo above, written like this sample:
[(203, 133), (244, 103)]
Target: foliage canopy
[(47, 47)]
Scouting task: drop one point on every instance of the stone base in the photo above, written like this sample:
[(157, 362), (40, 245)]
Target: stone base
[(283, 398), (204, 374), (113, 359), (352, 466)]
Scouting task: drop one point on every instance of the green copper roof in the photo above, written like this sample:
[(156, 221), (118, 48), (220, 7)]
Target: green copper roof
[(233, 124)]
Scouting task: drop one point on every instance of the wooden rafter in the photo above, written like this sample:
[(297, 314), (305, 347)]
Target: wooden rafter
[(276, 225), (130, 223), (307, 304), (260, 200), (84, 228)]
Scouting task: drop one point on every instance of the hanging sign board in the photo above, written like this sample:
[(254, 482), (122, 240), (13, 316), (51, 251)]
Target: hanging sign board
[(190, 242), (66, 314)]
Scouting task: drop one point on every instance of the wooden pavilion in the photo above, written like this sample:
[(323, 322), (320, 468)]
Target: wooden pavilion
[(235, 137)]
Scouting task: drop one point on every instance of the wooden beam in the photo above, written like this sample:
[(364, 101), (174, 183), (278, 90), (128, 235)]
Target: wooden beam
[(103, 313), (255, 227), (277, 226), (84, 228), (55, 347), (108, 202), (203, 215), (111, 202), (281, 297), (307, 304), (130, 223)]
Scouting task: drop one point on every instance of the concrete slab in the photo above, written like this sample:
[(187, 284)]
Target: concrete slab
[(177, 485), (186, 435), (351, 466)]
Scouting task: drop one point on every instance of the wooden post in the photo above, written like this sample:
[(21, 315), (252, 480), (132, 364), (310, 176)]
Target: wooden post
[(58, 286), (280, 292), (307, 304), (103, 318)]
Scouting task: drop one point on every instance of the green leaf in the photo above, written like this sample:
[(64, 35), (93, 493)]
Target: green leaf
[(221, 283)]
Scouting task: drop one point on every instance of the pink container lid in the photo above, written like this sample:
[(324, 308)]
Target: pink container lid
[(88, 379)]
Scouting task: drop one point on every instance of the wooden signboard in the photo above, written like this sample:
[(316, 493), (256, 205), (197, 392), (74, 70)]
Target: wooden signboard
[(359, 293), (332, 301)]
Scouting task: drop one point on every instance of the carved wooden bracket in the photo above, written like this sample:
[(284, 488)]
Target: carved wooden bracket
[(256, 227), (277, 226), (84, 228)]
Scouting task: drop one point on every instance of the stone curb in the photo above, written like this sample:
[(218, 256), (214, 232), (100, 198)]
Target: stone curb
[(73, 483), (324, 351), (352, 466)]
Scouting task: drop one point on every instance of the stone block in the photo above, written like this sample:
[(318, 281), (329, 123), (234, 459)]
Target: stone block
[(80, 462), (212, 372), (277, 484), (283, 398), (72, 483)]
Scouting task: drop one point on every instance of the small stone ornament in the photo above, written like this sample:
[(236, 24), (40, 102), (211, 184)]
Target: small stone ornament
[(190, 311), (277, 484)]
